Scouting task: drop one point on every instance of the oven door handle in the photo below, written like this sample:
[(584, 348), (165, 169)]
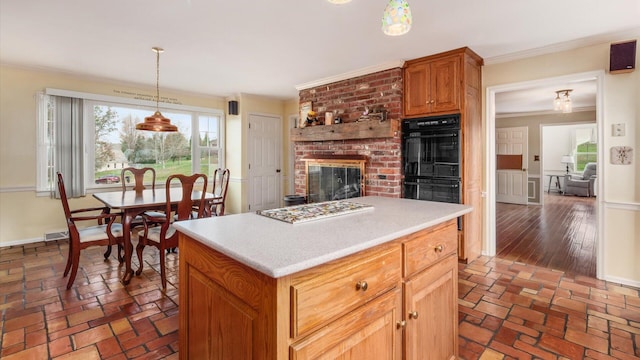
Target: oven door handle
[(432, 136), (450, 186)]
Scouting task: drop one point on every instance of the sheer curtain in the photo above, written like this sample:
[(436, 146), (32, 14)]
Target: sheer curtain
[(69, 145)]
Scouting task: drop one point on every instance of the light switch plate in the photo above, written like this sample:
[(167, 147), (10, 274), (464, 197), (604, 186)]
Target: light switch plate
[(617, 130)]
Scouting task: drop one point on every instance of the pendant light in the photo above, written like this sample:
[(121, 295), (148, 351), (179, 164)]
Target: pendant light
[(563, 104), (396, 19), (157, 122)]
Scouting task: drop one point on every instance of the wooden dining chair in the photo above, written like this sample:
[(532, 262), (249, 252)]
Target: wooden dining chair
[(165, 236), (138, 178), (107, 232), (139, 175), (220, 186)]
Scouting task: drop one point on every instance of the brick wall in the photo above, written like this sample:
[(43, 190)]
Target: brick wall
[(381, 90)]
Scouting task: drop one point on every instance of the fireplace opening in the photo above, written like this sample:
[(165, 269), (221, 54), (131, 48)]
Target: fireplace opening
[(335, 178)]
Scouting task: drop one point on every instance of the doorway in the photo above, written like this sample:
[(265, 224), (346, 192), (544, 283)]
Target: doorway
[(491, 162), (264, 157)]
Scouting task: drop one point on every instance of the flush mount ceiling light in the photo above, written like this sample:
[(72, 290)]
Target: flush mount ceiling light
[(339, 1), (157, 122), (396, 19), (563, 103)]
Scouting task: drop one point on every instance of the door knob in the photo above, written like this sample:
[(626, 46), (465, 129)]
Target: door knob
[(413, 315), (278, 170)]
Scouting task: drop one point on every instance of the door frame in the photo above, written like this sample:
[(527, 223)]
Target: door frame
[(250, 158), (489, 243), (291, 173)]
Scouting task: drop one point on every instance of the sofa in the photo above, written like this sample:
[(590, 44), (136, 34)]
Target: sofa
[(581, 185)]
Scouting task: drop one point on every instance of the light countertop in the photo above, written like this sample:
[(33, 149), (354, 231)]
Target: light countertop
[(277, 248)]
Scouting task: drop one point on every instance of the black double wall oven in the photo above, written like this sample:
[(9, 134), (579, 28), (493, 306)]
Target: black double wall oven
[(431, 158)]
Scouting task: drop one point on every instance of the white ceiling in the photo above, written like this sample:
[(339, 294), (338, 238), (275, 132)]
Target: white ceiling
[(224, 48)]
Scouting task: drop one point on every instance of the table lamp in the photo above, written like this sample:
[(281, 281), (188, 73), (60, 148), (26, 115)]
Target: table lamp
[(567, 159)]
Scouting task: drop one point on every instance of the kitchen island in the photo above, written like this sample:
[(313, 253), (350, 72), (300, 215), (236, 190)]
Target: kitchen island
[(353, 285)]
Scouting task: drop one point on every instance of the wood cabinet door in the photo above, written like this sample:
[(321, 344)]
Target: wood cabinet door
[(220, 324), (431, 312), (368, 333), (416, 87), (445, 84)]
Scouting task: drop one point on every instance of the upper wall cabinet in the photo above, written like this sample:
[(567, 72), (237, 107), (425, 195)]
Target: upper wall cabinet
[(435, 84)]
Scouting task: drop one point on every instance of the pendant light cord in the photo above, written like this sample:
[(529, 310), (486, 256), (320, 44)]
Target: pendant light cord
[(157, 78)]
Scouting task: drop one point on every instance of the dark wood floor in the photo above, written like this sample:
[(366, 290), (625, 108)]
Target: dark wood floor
[(560, 235)]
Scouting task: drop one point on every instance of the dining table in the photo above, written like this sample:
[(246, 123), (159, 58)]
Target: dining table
[(133, 203)]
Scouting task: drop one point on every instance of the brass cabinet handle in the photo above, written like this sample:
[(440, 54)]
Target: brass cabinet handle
[(413, 315), (362, 285), (401, 324), (439, 248)]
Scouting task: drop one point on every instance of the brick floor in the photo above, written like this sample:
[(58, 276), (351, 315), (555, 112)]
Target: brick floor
[(536, 313), (507, 310)]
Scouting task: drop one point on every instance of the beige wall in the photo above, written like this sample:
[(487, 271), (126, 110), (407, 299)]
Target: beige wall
[(25, 216), (620, 202)]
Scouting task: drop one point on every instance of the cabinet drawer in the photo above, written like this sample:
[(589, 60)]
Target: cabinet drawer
[(335, 289), (426, 247)]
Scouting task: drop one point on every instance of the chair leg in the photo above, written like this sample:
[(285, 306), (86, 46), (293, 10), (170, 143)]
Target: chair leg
[(74, 268), (120, 258), (139, 249), (163, 275), (107, 253), (69, 260)]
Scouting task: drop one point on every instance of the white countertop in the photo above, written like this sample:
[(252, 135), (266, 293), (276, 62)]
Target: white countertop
[(277, 248)]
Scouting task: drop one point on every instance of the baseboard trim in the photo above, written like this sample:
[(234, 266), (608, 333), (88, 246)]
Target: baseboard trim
[(21, 242), (622, 281)]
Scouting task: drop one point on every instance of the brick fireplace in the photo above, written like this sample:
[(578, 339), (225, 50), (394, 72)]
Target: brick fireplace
[(349, 99)]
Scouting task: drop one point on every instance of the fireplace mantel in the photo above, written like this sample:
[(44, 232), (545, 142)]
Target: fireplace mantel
[(354, 130)]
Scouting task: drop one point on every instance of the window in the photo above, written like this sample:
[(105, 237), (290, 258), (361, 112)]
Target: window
[(586, 147), (112, 142), (585, 153)]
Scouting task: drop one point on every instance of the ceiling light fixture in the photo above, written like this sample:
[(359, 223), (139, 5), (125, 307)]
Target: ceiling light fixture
[(157, 122), (339, 1), (563, 104), (396, 19)]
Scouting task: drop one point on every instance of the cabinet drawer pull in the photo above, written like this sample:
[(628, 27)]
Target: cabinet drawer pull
[(413, 315), (401, 324), (362, 285), (439, 248)]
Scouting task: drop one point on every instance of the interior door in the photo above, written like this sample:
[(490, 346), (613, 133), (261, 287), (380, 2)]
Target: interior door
[(511, 173), (264, 161)]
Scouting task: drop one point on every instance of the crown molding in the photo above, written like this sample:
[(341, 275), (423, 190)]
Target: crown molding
[(567, 45), (351, 74)]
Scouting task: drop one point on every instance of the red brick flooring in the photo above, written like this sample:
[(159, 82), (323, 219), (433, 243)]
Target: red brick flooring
[(507, 310)]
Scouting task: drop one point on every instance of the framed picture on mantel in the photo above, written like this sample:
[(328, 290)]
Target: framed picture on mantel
[(305, 107)]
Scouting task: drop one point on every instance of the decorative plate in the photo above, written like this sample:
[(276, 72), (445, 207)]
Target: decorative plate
[(621, 155)]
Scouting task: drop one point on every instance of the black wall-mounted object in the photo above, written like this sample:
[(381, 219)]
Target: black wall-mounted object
[(622, 57), (233, 107)]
